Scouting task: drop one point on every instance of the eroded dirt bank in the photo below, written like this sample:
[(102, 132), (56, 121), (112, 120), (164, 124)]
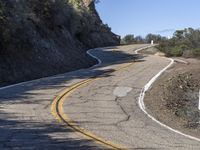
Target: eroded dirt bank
[(173, 99)]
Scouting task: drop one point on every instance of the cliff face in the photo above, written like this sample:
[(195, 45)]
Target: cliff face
[(45, 37)]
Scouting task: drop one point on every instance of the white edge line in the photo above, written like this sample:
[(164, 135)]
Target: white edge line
[(147, 87), (141, 98), (99, 61), (142, 105), (88, 52), (140, 49), (22, 83)]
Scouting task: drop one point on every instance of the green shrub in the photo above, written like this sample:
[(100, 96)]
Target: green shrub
[(196, 52), (176, 51), (184, 43), (128, 39)]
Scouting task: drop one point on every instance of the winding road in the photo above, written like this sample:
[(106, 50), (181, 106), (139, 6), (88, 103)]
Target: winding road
[(94, 108)]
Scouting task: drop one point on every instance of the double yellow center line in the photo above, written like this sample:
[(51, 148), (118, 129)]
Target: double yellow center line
[(58, 113)]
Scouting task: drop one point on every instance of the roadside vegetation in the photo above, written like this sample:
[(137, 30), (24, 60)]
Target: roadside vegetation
[(184, 43), (131, 39), (41, 38)]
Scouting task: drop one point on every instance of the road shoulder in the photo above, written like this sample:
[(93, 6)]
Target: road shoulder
[(173, 99)]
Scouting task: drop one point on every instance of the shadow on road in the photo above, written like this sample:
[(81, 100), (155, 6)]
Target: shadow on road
[(44, 134), (35, 136)]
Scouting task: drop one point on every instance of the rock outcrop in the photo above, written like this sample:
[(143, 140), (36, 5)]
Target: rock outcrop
[(45, 37)]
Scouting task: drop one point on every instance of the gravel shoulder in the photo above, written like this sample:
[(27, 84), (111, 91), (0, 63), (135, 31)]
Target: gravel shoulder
[(173, 99)]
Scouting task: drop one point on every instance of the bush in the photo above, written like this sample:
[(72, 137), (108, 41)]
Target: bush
[(184, 43), (128, 39), (176, 51), (196, 52)]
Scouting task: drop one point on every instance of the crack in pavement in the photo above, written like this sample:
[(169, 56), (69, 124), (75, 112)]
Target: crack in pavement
[(117, 99)]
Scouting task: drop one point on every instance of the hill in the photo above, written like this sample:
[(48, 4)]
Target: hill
[(40, 38)]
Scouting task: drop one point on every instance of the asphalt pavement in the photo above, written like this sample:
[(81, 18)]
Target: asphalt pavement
[(95, 108)]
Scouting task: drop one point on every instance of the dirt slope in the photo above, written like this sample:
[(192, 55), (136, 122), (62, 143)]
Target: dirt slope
[(45, 37), (173, 99)]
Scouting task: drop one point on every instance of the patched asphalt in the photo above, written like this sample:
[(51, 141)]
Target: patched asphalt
[(107, 107)]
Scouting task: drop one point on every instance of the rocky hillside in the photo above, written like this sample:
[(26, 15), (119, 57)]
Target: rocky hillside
[(45, 37)]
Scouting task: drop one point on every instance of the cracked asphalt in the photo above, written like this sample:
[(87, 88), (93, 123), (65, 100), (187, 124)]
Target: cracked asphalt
[(26, 121), (97, 108)]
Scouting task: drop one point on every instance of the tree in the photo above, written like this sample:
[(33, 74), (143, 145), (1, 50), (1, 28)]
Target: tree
[(154, 37), (96, 1), (139, 40), (128, 39), (179, 34), (184, 43)]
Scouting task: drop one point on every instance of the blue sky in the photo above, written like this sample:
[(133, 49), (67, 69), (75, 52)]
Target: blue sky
[(140, 17)]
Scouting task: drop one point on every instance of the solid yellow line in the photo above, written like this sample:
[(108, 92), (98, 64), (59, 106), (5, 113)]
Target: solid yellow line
[(60, 95), (81, 130), (57, 111)]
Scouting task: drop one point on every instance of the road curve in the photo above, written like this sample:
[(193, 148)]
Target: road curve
[(103, 105), (108, 107)]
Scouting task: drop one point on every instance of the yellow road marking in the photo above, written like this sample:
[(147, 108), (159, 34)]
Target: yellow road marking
[(57, 111)]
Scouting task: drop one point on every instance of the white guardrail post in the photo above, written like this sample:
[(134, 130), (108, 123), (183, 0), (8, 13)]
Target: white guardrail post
[(199, 100)]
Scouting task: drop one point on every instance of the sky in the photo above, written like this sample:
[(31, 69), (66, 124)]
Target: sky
[(140, 17)]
